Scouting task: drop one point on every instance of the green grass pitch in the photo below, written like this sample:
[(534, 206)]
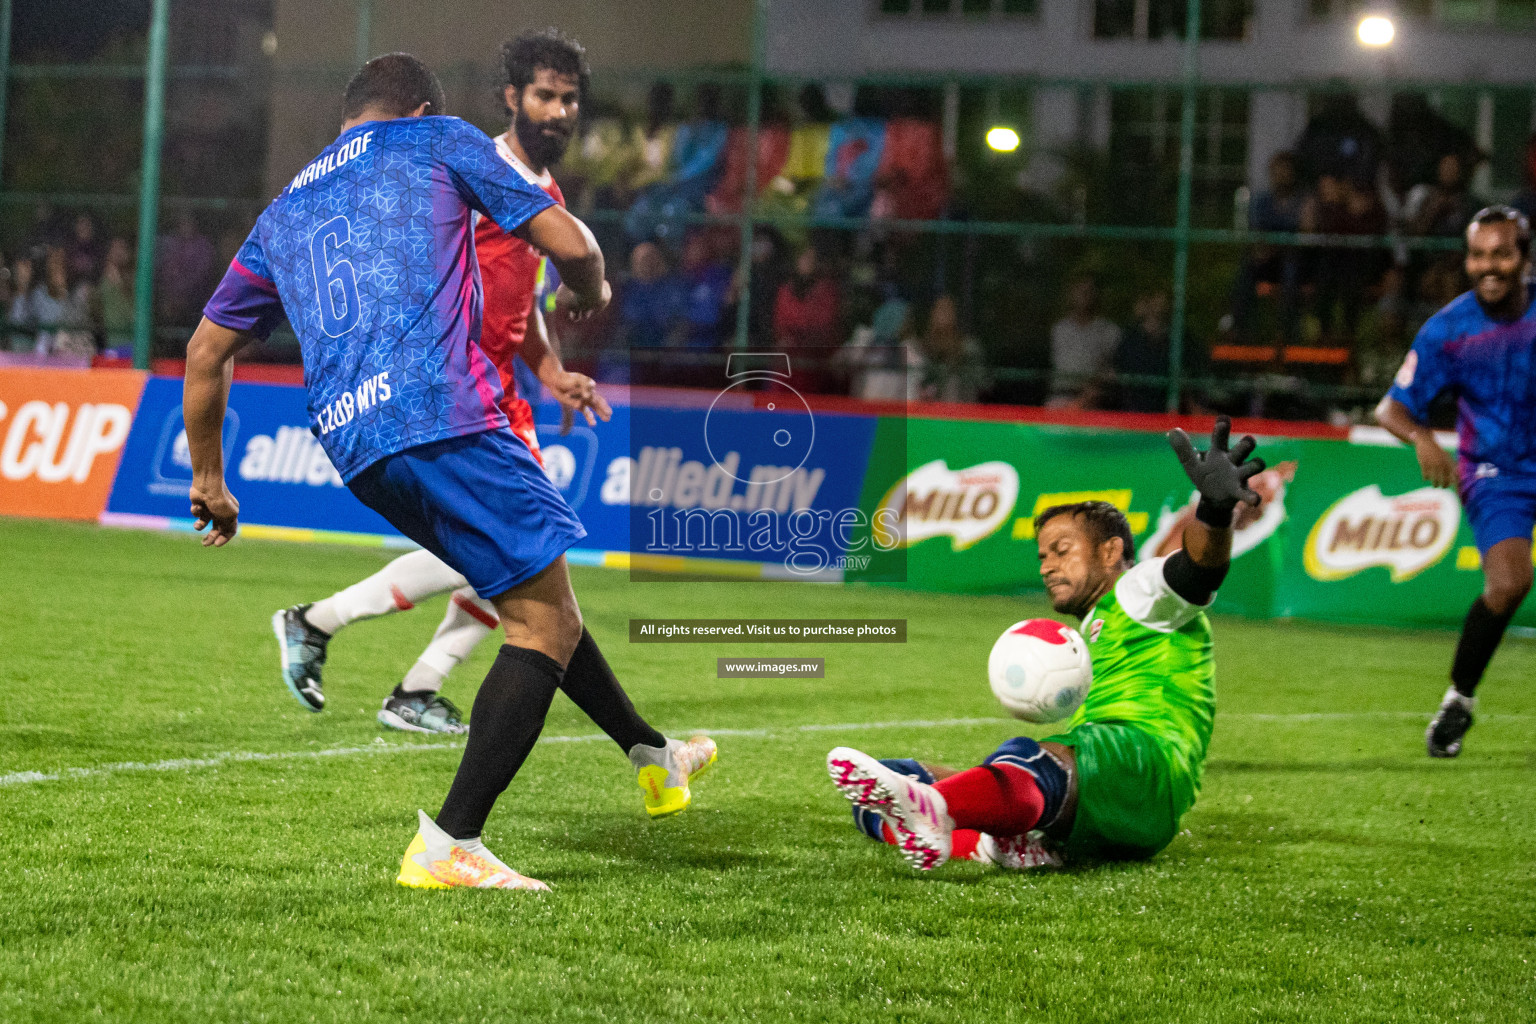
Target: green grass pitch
[(1330, 872)]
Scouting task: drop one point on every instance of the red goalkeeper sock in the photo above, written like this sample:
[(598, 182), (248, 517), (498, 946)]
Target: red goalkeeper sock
[(995, 798)]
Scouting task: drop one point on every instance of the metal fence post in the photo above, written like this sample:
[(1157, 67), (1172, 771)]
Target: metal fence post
[(149, 184), (749, 198), (1177, 323)]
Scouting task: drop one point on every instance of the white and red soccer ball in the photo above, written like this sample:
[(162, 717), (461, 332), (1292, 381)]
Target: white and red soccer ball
[(1040, 670)]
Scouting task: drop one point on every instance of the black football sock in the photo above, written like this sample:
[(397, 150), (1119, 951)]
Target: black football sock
[(1480, 636), (508, 715), (592, 685)]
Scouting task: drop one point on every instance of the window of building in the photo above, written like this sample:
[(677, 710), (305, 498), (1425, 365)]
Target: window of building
[(1144, 131), (957, 10), (1163, 19)]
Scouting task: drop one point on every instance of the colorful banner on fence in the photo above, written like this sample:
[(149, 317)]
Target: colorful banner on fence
[(748, 486), (61, 433), (1348, 532)]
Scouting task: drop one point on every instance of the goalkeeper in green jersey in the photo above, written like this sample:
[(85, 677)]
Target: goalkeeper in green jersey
[(1116, 783)]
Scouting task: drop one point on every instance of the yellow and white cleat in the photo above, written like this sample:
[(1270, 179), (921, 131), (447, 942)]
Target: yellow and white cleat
[(435, 860), (664, 773)]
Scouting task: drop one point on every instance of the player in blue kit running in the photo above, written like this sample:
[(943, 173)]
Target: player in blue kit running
[(370, 253), (1481, 349)]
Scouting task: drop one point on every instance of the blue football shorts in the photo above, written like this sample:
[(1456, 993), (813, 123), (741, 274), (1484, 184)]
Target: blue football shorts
[(480, 502), (1500, 507)]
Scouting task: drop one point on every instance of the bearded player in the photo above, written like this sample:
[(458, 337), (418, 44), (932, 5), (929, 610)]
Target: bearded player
[(1116, 783), (1480, 348)]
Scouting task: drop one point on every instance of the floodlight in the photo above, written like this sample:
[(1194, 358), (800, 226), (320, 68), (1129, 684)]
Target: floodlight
[(1375, 30), (1003, 140)]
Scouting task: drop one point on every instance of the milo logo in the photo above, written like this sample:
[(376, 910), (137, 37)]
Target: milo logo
[(966, 505), (1405, 534)]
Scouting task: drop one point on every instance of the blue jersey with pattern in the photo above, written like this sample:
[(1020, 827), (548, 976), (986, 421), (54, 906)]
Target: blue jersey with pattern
[(370, 252), (1488, 366)]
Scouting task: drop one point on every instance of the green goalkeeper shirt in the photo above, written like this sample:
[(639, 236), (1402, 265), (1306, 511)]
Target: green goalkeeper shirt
[(1153, 667)]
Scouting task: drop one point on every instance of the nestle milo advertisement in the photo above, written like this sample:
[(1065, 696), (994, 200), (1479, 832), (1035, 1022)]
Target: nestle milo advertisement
[(1344, 531)]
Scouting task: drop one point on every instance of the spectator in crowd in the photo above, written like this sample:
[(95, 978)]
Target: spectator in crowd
[(186, 263), (707, 284), (651, 304), (882, 357), (1344, 275), (1083, 346), (61, 313), (1442, 209), (1418, 136), (18, 313), (955, 370), (115, 298), (1272, 266), (768, 273), (43, 233), (1339, 141), (807, 320), (1144, 352), (84, 252)]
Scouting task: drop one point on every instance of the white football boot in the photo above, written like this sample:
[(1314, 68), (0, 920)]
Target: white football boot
[(1018, 853), (915, 811)]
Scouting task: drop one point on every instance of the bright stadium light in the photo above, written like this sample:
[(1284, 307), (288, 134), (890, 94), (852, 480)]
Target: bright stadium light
[(1003, 140), (1375, 30)]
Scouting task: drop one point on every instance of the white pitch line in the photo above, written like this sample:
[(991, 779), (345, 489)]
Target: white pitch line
[(181, 764)]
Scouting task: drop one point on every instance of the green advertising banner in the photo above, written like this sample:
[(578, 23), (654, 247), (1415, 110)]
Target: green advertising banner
[(1347, 531)]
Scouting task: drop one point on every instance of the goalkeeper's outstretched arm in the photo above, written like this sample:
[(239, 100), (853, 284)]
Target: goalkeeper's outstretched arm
[(1221, 476)]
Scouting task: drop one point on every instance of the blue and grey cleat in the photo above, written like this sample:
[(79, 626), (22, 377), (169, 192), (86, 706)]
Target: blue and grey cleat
[(302, 649)]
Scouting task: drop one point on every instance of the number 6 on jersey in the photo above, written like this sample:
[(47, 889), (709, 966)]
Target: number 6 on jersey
[(329, 277)]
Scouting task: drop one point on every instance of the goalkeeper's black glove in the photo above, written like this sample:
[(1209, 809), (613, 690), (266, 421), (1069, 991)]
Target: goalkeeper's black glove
[(1221, 476)]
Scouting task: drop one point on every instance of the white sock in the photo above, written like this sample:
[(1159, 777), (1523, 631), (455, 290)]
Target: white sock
[(1456, 695), (466, 622), (397, 587)]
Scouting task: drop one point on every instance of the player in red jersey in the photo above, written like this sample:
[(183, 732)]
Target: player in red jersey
[(546, 79)]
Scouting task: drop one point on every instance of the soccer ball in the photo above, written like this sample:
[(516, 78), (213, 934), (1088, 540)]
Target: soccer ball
[(1040, 670)]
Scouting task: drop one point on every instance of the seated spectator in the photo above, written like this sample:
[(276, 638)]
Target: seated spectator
[(807, 321), (1277, 267), (650, 312), (22, 335), (955, 370), (707, 284), (115, 297), (61, 313), (1444, 208), (44, 233), (882, 357), (84, 253), (1083, 346), (1344, 276), (1144, 352)]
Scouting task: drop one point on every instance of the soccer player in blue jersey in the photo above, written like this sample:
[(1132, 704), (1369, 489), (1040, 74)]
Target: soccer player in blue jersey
[(1481, 349), (369, 251)]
